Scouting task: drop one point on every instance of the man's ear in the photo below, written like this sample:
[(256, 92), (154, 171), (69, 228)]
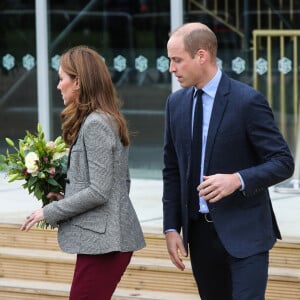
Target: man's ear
[(202, 55)]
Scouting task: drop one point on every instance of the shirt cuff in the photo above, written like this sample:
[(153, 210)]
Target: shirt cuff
[(242, 181), (170, 230)]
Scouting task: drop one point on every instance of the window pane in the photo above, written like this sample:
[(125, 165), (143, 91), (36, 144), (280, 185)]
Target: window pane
[(131, 36), (18, 94)]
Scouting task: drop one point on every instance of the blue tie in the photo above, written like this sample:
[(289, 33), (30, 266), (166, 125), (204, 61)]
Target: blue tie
[(196, 149)]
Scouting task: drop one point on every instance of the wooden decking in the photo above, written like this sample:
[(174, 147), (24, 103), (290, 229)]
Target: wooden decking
[(33, 267)]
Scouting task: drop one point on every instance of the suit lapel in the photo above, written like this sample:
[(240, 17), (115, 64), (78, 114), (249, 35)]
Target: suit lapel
[(220, 103), (187, 123)]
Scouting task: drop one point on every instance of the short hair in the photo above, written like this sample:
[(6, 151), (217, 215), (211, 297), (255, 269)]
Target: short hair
[(197, 36)]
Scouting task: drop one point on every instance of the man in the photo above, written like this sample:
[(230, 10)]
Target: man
[(226, 216)]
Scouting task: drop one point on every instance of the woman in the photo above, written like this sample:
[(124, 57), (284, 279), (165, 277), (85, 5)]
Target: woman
[(95, 218)]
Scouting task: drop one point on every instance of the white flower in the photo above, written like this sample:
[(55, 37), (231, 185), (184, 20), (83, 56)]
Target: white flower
[(58, 155), (31, 160)]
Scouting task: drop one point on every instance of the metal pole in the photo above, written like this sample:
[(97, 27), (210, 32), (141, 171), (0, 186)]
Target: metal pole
[(292, 185), (246, 25), (41, 27), (176, 21), (297, 157)]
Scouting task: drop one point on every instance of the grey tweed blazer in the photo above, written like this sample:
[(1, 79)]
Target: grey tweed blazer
[(96, 215)]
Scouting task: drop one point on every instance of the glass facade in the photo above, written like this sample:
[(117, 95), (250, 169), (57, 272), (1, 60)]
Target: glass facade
[(18, 88), (131, 36)]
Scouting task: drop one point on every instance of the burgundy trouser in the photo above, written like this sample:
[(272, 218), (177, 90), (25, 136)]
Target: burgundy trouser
[(96, 276)]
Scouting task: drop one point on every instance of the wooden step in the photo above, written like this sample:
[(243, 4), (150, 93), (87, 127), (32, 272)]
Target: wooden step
[(143, 273), (158, 274), (130, 294), (283, 283), (284, 254), (16, 289), (12, 236), (54, 266), (36, 257)]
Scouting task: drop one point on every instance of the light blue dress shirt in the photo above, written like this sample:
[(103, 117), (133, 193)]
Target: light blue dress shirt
[(208, 98)]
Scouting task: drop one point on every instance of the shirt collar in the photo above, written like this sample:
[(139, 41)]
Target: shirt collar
[(211, 87)]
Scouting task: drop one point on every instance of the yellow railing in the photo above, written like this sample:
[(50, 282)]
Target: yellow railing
[(286, 65), (263, 14), (275, 45), (267, 17), (273, 39)]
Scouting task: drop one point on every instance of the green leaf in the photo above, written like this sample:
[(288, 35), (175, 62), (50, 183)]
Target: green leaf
[(58, 140), (60, 148), (39, 128), (10, 142), (38, 193), (32, 181), (53, 182), (14, 177), (21, 148), (3, 163)]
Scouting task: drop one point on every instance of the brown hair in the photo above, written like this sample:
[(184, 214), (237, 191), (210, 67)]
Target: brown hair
[(96, 92)]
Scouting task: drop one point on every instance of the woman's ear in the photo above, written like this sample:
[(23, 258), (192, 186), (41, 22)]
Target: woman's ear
[(76, 83)]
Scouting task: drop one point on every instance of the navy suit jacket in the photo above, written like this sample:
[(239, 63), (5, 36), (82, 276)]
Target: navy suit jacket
[(242, 137)]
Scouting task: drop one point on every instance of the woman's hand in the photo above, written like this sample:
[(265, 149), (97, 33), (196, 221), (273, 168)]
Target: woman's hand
[(38, 215), (55, 196), (34, 217)]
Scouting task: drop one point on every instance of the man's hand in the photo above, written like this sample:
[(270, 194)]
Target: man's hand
[(175, 245), (215, 187)]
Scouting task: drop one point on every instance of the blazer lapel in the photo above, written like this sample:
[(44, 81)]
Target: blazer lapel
[(220, 103), (185, 122), (74, 142)]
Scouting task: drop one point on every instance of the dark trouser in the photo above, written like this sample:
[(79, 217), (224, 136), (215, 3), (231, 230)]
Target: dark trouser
[(96, 276), (220, 276)]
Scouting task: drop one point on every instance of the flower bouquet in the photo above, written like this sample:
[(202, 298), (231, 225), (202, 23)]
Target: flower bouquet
[(41, 164)]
